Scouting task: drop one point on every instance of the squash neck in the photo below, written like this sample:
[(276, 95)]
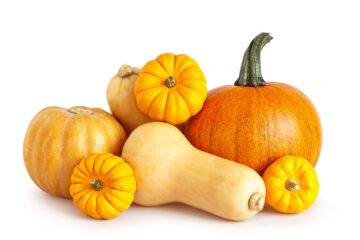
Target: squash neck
[(250, 71)]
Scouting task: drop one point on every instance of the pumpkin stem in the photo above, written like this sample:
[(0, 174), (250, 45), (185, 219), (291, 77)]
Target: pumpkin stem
[(256, 201), (170, 82), (292, 185), (80, 110), (96, 184), (125, 70), (250, 72)]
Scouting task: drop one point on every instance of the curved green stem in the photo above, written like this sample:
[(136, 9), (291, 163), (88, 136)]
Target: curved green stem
[(250, 72)]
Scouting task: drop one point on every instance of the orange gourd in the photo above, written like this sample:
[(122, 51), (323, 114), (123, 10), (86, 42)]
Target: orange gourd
[(291, 184), (58, 138), (171, 88), (102, 186), (256, 122)]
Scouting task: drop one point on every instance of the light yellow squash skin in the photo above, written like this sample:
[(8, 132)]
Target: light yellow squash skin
[(121, 99), (169, 169)]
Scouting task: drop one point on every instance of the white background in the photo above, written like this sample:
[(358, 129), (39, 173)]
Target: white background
[(64, 53)]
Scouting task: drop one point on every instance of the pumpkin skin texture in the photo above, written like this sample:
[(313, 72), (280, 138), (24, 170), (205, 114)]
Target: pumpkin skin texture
[(291, 184), (255, 123), (121, 99), (58, 138), (171, 88), (102, 186), (178, 172)]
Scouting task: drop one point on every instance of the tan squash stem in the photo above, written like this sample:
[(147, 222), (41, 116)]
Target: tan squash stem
[(256, 201), (170, 82), (80, 110), (125, 71), (292, 185)]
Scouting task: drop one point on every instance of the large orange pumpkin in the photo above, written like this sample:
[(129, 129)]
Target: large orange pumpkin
[(58, 138), (254, 122)]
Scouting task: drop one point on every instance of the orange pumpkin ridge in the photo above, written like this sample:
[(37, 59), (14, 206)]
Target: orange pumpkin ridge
[(254, 122)]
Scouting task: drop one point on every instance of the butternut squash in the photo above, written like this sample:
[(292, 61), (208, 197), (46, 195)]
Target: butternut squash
[(169, 169)]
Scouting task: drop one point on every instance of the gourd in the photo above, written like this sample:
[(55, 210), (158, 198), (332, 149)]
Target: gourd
[(291, 184), (171, 88), (58, 138), (121, 99), (169, 169), (102, 186), (256, 122)]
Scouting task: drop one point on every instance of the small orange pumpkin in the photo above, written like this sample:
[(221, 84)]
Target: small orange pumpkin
[(102, 186), (256, 122), (291, 184), (58, 138), (171, 88)]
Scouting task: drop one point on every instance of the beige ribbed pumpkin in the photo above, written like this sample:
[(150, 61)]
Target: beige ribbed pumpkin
[(121, 99), (57, 139)]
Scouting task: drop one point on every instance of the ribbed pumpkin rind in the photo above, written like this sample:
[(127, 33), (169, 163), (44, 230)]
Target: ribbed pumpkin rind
[(56, 140)]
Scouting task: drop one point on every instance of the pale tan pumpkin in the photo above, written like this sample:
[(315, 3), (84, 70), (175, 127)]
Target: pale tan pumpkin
[(121, 99), (58, 138), (169, 169)]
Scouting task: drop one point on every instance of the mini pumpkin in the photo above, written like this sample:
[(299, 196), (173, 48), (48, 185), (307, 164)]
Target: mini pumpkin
[(102, 186), (171, 88), (291, 184)]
